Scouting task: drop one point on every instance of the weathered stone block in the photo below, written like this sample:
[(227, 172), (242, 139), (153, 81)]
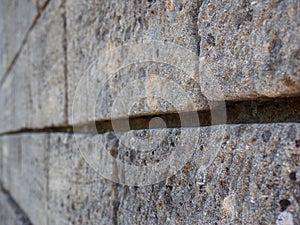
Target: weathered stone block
[(97, 30), (33, 95), (25, 173), (247, 182), (248, 174), (244, 53), (10, 214), (16, 18), (250, 47), (77, 194), (52, 183)]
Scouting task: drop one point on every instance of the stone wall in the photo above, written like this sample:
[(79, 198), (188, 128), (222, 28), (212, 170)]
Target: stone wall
[(150, 112)]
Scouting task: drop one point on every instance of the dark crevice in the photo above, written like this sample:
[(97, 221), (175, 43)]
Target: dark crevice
[(116, 200), (116, 204), (198, 40), (43, 6), (236, 112), (34, 22), (21, 215)]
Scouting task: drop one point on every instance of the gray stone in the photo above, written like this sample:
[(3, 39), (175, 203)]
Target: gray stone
[(42, 4), (16, 18), (33, 94), (77, 194), (25, 174), (251, 48), (97, 30), (285, 218), (10, 214), (246, 182), (58, 186), (245, 53), (118, 59), (168, 81), (247, 175), (1, 161)]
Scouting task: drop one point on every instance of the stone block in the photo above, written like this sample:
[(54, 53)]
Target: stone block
[(33, 95), (250, 48), (77, 194), (236, 174), (10, 214), (248, 51), (25, 173), (163, 32), (16, 18), (250, 179)]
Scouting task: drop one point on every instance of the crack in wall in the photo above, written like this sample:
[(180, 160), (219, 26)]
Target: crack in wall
[(43, 6), (21, 215), (237, 112), (15, 58)]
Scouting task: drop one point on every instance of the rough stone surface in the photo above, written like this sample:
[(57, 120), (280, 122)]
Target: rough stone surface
[(16, 18), (246, 50), (246, 183), (77, 194), (285, 218), (10, 214), (262, 62), (33, 94), (58, 187), (180, 54), (97, 30), (250, 47), (25, 174), (252, 179)]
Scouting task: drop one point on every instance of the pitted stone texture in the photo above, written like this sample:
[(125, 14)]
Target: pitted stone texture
[(246, 183), (25, 173), (10, 214), (52, 183), (77, 194), (251, 47), (96, 30), (16, 17), (33, 95), (250, 179), (138, 89)]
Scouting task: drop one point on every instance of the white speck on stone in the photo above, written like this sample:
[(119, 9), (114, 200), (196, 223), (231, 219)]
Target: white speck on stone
[(285, 218), (228, 204)]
